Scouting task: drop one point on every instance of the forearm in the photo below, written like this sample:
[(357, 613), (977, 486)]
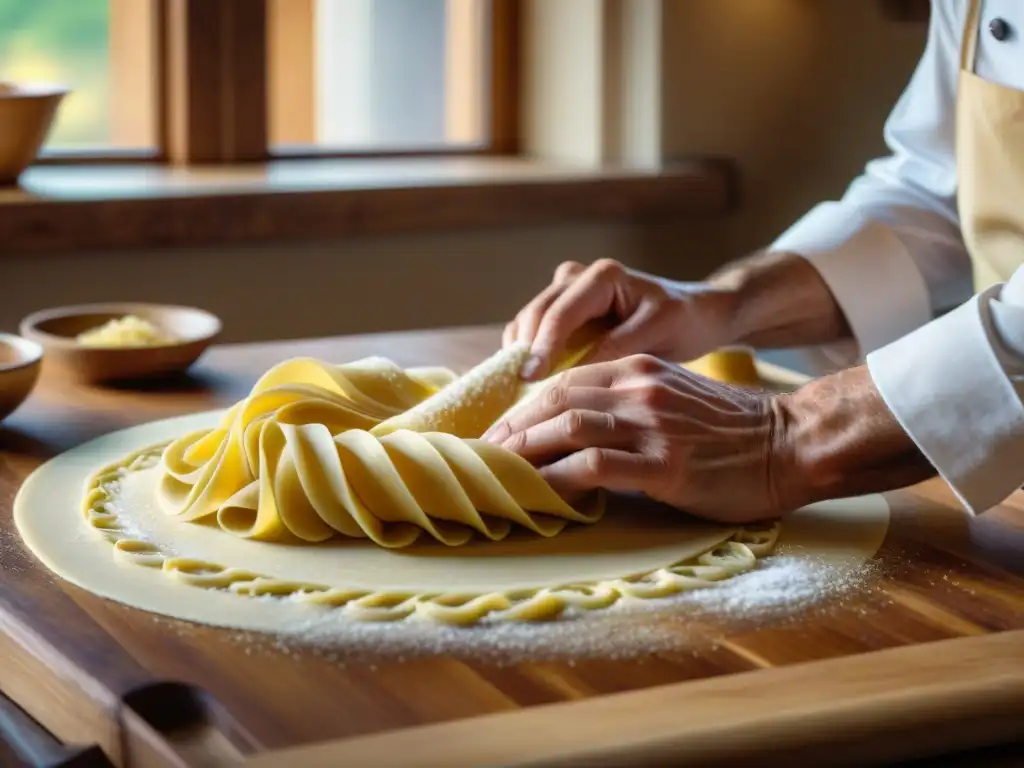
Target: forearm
[(779, 300), (836, 438)]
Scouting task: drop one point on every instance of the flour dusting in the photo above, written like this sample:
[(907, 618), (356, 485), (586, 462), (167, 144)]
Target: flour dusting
[(780, 588)]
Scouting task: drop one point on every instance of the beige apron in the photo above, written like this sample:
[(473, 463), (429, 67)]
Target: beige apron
[(990, 166)]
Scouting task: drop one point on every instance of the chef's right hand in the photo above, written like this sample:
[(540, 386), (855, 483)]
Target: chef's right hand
[(651, 315)]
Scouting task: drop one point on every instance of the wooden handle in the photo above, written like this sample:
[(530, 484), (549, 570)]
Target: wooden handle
[(889, 705), (35, 746), (173, 725)]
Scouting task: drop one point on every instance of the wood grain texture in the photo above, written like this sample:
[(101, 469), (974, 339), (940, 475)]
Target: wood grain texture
[(159, 692), (505, 46), (24, 742), (134, 72), (65, 209), (961, 693), (216, 80), (291, 71)]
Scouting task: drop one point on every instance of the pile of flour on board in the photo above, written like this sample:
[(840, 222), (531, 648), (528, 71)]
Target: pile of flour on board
[(779, 588)]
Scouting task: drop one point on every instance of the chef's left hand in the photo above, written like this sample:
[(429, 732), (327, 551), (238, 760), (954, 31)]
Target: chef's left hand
[(639, 424)]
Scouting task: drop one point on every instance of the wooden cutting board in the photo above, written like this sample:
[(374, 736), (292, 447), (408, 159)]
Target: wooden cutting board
[(943, 613)]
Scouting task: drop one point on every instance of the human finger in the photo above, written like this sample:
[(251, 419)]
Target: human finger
[(568, 271), (571, 431), (589, 297), (609, 468), (637, 333), (529, 318), (508, 336), (549, 404)]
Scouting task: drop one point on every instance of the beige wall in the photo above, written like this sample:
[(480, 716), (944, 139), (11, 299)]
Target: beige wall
[(795, 90), (355, 286)]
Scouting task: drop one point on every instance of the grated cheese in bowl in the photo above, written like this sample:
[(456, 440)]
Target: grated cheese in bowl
[(127, 331)]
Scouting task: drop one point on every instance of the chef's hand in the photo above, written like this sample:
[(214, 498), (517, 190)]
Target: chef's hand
[(639, 424), (676, 321)]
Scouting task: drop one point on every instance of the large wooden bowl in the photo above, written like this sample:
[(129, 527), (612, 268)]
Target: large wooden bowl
[(56, 330), (20, 361), (26, 116)]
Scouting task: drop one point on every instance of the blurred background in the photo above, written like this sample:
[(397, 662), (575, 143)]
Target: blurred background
[(57, 41), (348, 74), (795, 92)]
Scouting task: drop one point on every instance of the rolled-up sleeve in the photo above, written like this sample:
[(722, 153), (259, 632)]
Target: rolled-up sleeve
[(890, 249), (956, 385)]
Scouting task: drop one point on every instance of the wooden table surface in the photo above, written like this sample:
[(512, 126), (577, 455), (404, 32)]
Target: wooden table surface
[(93, 671)]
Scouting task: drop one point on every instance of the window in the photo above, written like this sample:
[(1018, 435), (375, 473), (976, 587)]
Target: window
[(220, 83), (209, 81), (101, 51), (354, 75)]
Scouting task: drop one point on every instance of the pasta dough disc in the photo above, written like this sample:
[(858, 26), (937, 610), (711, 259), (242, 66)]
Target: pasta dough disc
[(632, 541), (626, 542)]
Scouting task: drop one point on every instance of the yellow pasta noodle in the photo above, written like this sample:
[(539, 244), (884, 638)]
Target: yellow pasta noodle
[(368, 450)]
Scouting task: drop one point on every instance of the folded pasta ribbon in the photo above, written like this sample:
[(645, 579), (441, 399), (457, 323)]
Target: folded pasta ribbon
[(369, 450)]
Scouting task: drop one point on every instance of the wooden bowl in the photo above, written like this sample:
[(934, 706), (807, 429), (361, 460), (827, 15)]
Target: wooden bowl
[(20, 361), (56, 330), (26, 116)]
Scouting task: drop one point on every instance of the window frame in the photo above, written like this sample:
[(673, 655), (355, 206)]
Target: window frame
[(581, 152), (211, 80)]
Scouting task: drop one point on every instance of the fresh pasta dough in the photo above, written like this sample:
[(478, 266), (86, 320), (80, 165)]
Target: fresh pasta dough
[(368, 450), (637, 555), (732, 365), (376, 559)]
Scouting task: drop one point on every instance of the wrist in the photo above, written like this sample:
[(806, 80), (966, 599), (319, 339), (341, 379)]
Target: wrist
[(787, 470), (704, 320), (729, 289), (779, 300), (836, 437), (742, 283)]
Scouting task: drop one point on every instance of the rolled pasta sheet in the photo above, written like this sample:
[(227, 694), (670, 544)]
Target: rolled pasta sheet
[(202, 470), (367, 450)]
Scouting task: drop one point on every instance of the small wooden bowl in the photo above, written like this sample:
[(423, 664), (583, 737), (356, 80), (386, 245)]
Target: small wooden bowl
[(26, 116), (56, 330), (20, 361)]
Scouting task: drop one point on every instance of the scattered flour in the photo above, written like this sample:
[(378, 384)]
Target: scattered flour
[(779, 585), (781, 588)]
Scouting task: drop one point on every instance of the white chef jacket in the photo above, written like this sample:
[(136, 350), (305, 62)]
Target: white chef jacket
[(891, 253)]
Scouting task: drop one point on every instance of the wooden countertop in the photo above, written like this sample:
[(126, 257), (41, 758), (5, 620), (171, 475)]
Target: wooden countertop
[(154, 691)]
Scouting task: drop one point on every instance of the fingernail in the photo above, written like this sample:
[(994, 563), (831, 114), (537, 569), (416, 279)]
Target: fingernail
[(496, 433), (531, 367)]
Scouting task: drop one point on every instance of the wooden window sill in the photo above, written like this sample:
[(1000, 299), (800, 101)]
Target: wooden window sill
[(144, 206)]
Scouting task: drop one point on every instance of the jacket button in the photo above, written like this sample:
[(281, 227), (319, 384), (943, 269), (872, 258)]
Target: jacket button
[(999, 28)]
